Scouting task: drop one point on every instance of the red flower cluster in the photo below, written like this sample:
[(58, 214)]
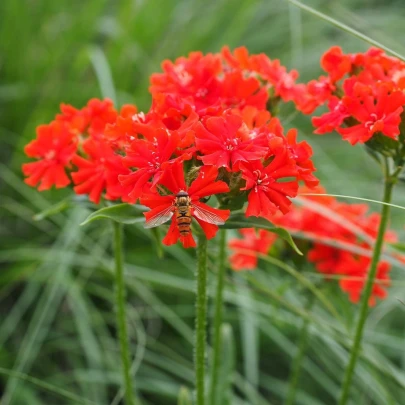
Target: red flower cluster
[(323, 229), (227, 80), (207, 133), (364, 93), (76, 137)]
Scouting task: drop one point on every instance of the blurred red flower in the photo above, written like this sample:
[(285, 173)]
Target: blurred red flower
[(253, 241), (326, 232), (99, 172), (54, 150)]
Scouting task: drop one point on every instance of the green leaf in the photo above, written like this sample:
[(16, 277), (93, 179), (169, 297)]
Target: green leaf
[(398, 246), (226, 372), (61, 392), (103, 73), (238, 221), (184, 397), (54, 209), (122, 213)]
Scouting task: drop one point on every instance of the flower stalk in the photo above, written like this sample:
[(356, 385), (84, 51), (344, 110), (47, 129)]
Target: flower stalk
[(120, 302), (201, 319), (389, 183), (216, 354)]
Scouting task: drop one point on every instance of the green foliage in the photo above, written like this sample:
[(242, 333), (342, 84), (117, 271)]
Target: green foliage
[(58, 341), (226, 373), (121, 213)]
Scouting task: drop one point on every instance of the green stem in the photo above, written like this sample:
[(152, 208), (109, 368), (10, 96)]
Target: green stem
[(385, 211), (216, 355), (299, 357), (201, 319), (120, 297)]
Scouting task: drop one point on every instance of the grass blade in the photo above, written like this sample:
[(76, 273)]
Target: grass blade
[(346, 28)]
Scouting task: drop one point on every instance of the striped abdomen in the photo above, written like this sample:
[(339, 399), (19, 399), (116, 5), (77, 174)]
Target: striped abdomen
[(184, 222), (183, 214)]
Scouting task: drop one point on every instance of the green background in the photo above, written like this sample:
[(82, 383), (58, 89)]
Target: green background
[(56, 296)]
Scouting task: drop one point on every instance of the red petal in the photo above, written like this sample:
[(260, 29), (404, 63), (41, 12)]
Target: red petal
[(210, 230), (173, 177), (259, 205), (220, 158), (172, 235), (205, 184), (156, 200), (137, 181)]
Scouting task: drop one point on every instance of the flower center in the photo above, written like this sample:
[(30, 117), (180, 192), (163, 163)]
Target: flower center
[(154, 163), (231, 144), (183, 76), (262, 180), (340, 107), (140, 117), (201, 92), (371, 122), (50, 155), (287, 81)]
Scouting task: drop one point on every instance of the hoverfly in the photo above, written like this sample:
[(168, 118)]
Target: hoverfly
[(183, 209)]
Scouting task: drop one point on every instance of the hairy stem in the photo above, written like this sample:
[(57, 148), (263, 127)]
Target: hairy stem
[(216, 355), (385, 211), (201, 320), (120, 298)]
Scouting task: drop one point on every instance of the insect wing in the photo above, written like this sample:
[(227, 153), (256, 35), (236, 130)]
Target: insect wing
[(207, 216), (160, 218)]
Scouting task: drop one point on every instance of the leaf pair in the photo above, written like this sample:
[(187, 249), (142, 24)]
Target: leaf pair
[(131, 214)]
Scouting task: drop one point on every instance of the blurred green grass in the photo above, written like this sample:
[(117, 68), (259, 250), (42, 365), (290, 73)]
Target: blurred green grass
[(56, 298)]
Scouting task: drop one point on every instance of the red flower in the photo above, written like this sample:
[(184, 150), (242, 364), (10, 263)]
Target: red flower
[(239, 59), (380, 114), (238, 91), (253, 241), (310, 96), (356, 270), (101, 112), (54, 148), (162, 207), (333, 119), (379, 65), (172, 111), (99, 172), (331, 260), (283, 82), (77, 120), (147, 158), (118, 131), (301, 152), (327, 259), (223, 141), (92, 118), (267, 195), (253, 117), (336, 63), (194, 77)]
